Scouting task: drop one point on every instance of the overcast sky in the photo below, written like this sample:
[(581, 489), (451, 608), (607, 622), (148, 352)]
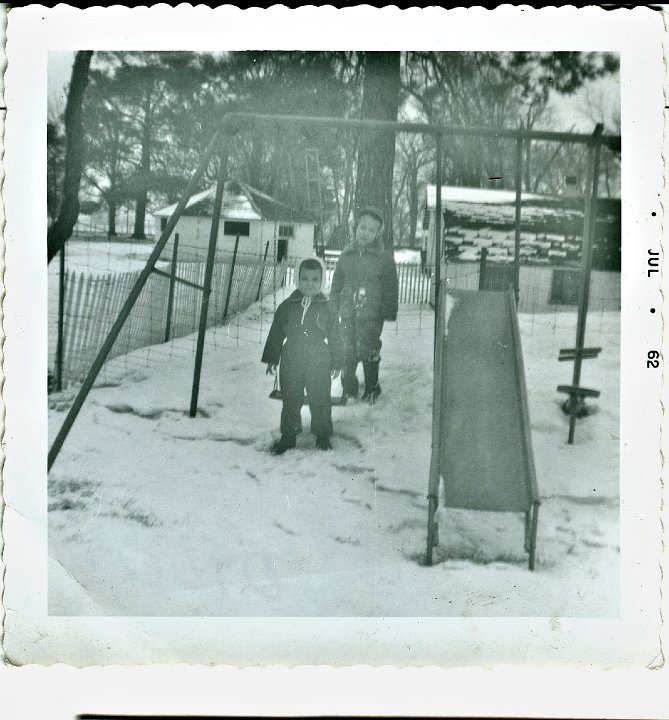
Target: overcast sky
[(565, 108)]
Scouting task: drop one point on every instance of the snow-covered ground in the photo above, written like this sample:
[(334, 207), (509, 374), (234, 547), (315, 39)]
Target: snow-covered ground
[(154, 513), (102, 256)]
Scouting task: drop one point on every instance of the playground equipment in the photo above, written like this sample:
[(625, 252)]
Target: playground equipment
[(481, 441), (276, 395), (577, 394), (233, 123)]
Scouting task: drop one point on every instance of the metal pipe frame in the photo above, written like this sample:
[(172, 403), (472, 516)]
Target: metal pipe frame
[(438, 239), (208, 275), (232, 123), (586, 268), (172, 278), (232, 275), (176, 279), (130, 302), (61, 321), (237, 121), (435, 459), (519, 191), (533, 535)]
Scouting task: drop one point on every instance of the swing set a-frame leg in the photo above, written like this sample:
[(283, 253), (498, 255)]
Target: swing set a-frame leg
[(87, 384), (534, 512)]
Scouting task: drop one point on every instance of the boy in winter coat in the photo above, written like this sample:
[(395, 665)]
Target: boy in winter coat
[(364, 291), (305, 339)]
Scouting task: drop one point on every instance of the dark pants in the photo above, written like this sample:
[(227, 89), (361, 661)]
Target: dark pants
[(362, 341), (306, 366)]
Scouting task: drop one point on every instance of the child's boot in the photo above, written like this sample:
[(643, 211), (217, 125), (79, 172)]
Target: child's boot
[(372, 387), (349, 381), (323, 443), (285, 442)]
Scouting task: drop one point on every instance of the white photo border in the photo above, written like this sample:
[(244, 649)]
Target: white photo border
[(31, 636)]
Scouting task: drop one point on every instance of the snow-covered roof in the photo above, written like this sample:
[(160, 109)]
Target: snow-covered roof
[(194, 199), (450, 193), (240, 202)]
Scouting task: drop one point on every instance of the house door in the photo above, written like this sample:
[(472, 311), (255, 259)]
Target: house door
[(281, 249), (286, 232)]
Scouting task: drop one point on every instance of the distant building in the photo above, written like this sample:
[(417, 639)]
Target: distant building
[(265, 226), (551, 227)]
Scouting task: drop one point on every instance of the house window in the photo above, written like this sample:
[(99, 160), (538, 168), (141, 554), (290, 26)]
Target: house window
[(285, 231), (163, 223), (232, 227)]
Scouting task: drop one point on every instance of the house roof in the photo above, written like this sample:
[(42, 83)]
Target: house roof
[(482, 196), (480, 208), (240, 202)]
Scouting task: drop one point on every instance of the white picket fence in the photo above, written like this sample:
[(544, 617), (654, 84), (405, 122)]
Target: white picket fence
[(93, 303)]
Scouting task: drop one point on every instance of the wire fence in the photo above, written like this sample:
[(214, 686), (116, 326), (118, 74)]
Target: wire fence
[(92, 304), (99, 278)]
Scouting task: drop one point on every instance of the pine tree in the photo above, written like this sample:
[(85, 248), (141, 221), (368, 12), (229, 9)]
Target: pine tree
[(376, 155)]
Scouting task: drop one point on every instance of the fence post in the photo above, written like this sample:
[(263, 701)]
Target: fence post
[(438, 240), (482, 268), (130, 301), (61, 319), (262, 274), (232, 272), (170, 297), (206, 290), (516, 244)]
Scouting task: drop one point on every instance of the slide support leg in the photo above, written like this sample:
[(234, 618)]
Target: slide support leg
[(533, 533), (432, 530)]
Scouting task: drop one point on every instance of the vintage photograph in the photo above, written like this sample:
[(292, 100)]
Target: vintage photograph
[(333, 338), (334, 333)]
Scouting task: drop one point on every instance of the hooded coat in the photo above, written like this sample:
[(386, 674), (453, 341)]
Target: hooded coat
[(371, 270), (364, 291), (305, 341)]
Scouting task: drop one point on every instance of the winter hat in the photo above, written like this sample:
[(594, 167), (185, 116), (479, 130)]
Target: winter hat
[(312, 259), (373, 211)]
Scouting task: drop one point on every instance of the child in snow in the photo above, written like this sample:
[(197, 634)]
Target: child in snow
[(364, 291), (305, 339)]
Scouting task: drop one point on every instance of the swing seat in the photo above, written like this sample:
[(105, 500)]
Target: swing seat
[(334, 401)]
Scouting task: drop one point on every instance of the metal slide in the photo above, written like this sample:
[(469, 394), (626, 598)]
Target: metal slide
[(482, 447)]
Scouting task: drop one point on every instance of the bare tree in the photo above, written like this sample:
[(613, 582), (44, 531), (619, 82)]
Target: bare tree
[(599, 106), (413, 155)]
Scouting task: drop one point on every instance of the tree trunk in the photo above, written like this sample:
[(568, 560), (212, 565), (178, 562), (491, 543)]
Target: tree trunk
[(61, 229), (376, 155), (111, 216), (528, 166), (112, 195), (413, 203), (256, 165), (145, 170), (335, 185)]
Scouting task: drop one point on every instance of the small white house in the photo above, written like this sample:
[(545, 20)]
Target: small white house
[(265, 227)]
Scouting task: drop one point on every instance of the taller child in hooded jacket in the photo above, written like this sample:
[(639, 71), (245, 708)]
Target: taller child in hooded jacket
[(305, 339), (364, 290)]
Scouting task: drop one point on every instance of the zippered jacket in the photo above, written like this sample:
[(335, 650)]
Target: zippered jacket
[(302, 328), (365, 284)]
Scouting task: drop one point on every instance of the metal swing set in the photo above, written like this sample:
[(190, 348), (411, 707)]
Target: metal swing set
[(236, 122)]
